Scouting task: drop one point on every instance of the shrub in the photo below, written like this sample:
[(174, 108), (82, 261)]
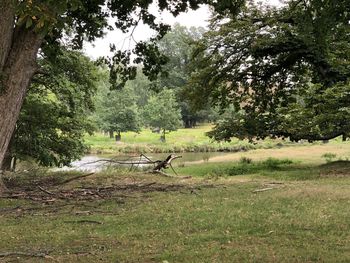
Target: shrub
[(329, 157), (273, 163), (246, 160)]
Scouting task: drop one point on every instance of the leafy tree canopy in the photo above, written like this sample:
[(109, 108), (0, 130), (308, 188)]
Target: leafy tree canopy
[(177, 46), (53, 119), (163, 112), (285, 70), (72, 22), (117, 110)]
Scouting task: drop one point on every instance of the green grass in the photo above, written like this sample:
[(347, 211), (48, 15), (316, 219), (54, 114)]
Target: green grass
[(182, 140), (237, 168), (303, 217)]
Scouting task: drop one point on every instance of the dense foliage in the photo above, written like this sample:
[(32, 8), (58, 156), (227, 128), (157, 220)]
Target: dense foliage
[(53, 119), (177, 46), (285, 70), (117, 111), (163, 112)]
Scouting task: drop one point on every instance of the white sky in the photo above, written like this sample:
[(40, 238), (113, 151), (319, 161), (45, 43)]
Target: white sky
[(122, 41), (198, 18)]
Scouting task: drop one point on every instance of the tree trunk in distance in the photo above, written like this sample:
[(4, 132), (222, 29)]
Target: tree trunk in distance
[(6, 163), (162, 137), (118, 137), (111, 134)]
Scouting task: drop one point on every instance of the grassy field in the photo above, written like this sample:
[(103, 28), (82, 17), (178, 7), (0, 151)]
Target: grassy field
[(289, 208), (284, 161), (182, 140)]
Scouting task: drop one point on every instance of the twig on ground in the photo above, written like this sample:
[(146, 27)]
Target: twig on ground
[(75, 178), (45, 191), (27, 254), (85, 221), (263, 189), (10, 208)]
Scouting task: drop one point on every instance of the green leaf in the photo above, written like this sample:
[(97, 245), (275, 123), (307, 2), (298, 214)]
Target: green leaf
[(29, 22)]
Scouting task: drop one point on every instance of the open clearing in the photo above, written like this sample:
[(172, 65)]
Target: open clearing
[(270, 211)]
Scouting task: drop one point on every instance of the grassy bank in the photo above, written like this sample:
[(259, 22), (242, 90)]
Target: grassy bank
[(269, 210), (287, 162), (182, 140)]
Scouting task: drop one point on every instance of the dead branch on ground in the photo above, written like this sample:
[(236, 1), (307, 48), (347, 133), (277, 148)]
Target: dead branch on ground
[(75, 178), (19, 253)]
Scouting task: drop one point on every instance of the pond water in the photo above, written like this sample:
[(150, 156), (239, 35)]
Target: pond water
[(95, 163)]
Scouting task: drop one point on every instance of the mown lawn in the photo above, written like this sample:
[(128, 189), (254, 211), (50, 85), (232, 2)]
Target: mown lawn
[(266, 214)]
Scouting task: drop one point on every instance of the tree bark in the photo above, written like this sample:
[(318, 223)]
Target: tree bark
[(7, 22), (19, 65), (118, 137), (162, 137), (6, 163)]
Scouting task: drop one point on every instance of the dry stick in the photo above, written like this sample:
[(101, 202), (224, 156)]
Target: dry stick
[(18, 253), (263, 190), (119, 162), (142, 155), (45, 191), (85, 221), (6, 209), (137, 164), (75, 178), (148, 159), (272, 183), (173, 169)]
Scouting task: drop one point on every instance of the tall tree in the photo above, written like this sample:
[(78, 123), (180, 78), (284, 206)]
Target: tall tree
[(287, 69), (53, 121), (29, 25), (177, 46), (118, 112), (163, 112)]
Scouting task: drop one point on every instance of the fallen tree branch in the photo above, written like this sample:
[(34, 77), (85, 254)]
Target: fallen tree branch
[(6, 209), (76, 178), (45, 191), (167, 162), (148, 161), (85, 221), (27, 254)]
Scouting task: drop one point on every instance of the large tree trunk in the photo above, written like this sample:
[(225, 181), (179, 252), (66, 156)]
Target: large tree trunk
[(6, 163), (18, 51)]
